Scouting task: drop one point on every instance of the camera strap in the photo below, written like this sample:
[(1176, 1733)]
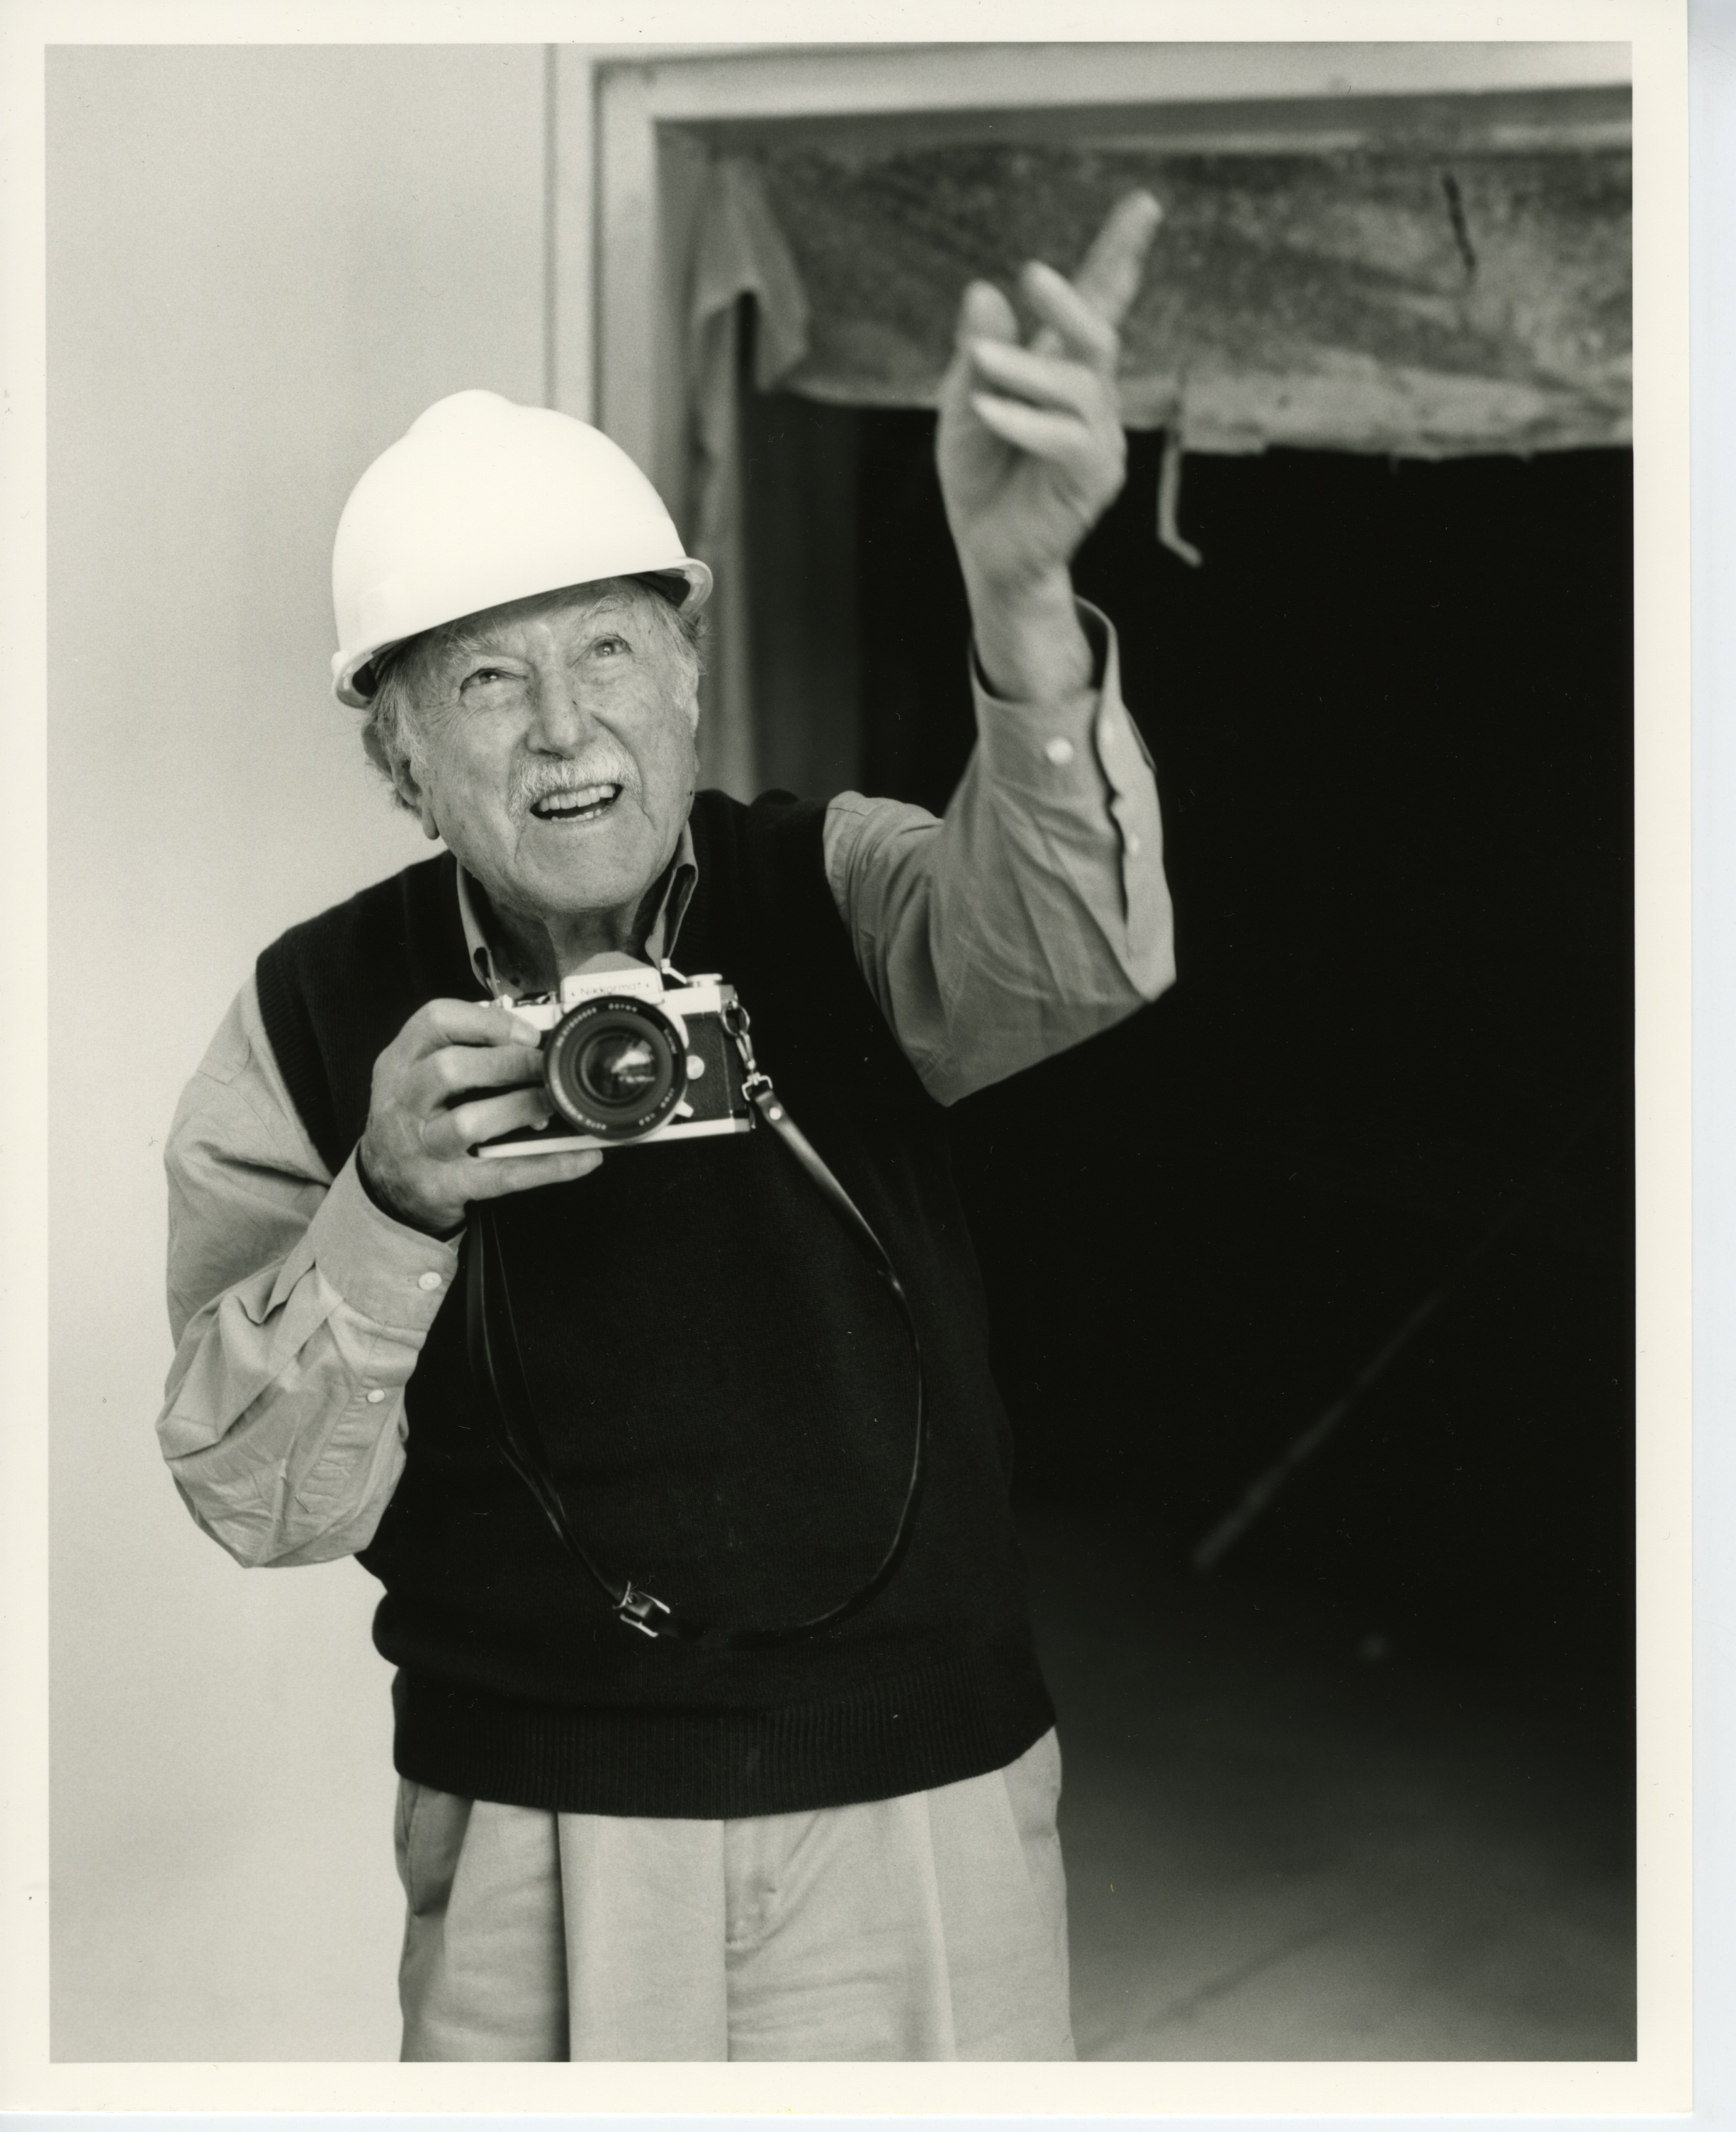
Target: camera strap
[(497, 1368)]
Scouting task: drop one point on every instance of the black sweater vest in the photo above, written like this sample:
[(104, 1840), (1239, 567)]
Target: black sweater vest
[(725, 1396)]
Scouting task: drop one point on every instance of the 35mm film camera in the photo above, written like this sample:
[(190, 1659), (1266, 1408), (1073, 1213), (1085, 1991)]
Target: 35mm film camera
[(630, 1059)]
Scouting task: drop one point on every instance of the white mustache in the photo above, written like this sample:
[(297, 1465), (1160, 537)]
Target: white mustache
[(577, 778)]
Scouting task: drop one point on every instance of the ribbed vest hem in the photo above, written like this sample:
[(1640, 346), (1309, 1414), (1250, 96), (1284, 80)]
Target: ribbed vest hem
[(881, 1738)]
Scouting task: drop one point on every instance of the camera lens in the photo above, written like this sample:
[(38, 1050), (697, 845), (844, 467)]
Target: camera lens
[(616, 1068)]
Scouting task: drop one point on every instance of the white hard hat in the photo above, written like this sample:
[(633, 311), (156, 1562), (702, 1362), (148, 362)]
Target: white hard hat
[(481, 501)]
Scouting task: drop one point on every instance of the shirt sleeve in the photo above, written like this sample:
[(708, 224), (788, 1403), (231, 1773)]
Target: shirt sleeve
[(1035, 912), (299, 1310)]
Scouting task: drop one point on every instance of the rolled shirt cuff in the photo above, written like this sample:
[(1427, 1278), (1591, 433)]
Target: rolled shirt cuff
[(1068, 748), (1075, 755)]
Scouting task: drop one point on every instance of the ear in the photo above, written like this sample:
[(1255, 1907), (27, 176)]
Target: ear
[(388, 753), (417, 800), (403, 779)]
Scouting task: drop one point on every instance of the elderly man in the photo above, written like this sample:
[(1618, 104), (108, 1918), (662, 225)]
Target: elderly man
[(718, 1726)]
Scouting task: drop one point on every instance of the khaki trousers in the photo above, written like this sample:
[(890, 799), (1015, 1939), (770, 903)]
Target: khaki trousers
[(932, 1926)]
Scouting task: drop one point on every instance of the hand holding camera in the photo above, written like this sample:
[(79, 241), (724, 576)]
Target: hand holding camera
[(458, 1073)]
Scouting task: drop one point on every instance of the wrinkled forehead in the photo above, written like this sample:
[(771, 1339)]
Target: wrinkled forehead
[(574, 608)]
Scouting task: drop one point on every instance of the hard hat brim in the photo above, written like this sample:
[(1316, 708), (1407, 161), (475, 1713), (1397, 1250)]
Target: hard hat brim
[(354, 681)]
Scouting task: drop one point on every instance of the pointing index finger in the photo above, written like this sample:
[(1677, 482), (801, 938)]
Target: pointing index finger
[(1083, 314), (1109, 276)]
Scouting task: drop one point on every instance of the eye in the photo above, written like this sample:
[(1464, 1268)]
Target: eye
[(609, 647), (481, 677)]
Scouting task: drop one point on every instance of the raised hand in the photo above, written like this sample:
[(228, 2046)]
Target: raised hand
[(1030, 445)]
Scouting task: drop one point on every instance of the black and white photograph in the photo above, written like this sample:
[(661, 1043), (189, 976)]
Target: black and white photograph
[(866, 1122)]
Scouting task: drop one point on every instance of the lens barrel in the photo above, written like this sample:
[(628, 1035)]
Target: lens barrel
[(616, 1068)]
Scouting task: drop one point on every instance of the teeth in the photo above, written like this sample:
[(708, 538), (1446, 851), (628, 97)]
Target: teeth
[(575, 802)]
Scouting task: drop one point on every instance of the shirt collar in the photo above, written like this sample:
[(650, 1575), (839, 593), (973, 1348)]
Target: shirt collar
[(679, 877)]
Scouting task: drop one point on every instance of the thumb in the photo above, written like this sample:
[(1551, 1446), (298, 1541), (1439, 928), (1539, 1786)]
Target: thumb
[(986, 315)]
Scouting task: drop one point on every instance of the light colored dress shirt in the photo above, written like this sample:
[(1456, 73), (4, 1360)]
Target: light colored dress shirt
[(1030, 917)]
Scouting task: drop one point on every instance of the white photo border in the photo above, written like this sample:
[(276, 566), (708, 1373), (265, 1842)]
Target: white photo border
[(1659, 2082)]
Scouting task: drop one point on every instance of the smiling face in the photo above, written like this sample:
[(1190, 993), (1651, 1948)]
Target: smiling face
[(550, 744)]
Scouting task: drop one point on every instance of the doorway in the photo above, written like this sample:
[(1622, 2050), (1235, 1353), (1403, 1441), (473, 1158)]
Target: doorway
[(1392, 722)]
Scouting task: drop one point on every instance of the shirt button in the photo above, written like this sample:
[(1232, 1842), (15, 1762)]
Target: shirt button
[(1058, 751), (428, 1280), (375, 1397), (1133, 845)]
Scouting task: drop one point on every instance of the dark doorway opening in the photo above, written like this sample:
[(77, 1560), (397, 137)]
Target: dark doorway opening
[(1391, 721)]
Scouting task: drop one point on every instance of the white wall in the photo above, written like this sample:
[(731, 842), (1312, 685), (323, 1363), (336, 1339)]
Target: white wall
[(262, 264)]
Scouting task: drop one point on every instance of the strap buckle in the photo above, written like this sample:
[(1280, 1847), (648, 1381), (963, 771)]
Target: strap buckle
[(631, 1608), (756, 1083)]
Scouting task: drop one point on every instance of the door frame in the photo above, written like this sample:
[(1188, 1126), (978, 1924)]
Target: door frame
[(628, 132)]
